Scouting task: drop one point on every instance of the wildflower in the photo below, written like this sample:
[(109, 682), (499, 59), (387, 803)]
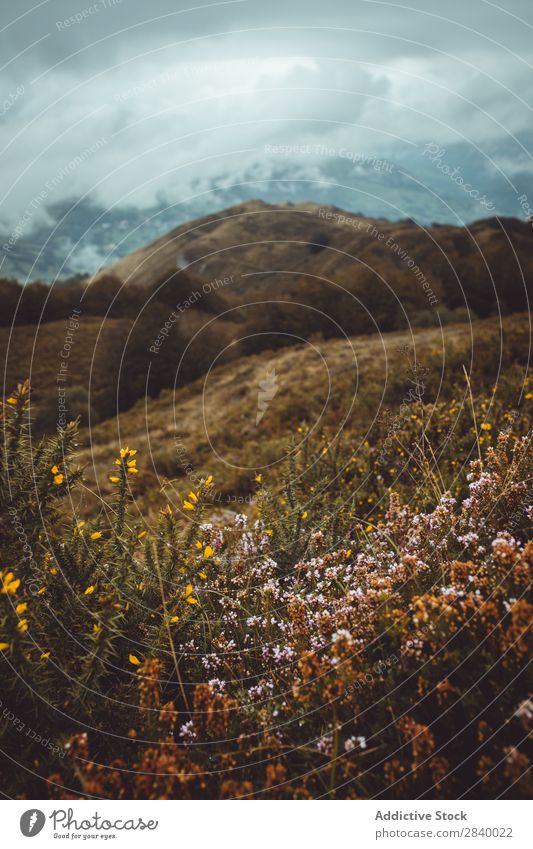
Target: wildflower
[(125, 453), (198, 544), (268, 533), (114, 479), (53, 570), (174, 619), (141, 535), (4, 646), (9, 584), (209, 480), (208, 551), (11, 400), (45, 655), (305, 514), (202, 575), (58, 479), (486, 426), (21, 608), (96, 535), (54, 470), (258, 478), (192, 497), (188, 506), (188, 595), (167, 511), (132, 467), (134, 659), (23, 626), (89, 590), (96, 628)]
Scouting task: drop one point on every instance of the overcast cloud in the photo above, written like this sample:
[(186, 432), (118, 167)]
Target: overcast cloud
[(135, 103)]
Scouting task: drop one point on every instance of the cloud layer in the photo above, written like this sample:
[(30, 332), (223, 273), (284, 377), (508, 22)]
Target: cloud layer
[(126, 104)]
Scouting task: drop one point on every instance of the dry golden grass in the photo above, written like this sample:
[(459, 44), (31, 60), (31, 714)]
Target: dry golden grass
[(333, 385)]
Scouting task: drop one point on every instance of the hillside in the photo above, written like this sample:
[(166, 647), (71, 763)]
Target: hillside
[(335, 614), (265, 247), (334, 386), (253, 278)]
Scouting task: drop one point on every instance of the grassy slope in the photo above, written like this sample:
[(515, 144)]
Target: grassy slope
[(325, 385), (34, 352)]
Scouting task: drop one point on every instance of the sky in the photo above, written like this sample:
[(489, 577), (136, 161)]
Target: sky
[(420, 109)]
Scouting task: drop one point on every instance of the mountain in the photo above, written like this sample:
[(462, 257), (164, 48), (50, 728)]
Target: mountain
[(255, 247), (254, 278)]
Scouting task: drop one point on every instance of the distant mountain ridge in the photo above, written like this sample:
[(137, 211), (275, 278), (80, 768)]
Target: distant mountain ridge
[(267, 247)]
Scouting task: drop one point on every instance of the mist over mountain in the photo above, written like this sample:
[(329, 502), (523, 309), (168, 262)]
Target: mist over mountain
[(80, 235)]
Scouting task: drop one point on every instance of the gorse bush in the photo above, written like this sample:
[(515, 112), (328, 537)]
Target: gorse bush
[(362, 633)]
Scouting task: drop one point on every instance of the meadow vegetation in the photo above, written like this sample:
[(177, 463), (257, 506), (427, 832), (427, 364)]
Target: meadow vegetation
[(360, 630)]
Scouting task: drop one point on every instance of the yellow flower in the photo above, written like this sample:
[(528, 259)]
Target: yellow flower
[(79, 528), (167, 511), (96, 628), (89, 590), (188, 595), (198, 544), (486, 426), (96, 535), (4, 646), (174, 619), (134, 659), (188, 506), (21, 608), (23, 626), (11, 400), (54, 470), (209, 480), (208, 551), (305, 514), (141, 534), (58, 479), (258, 478), (268, 533), (45, 655), (369, 528), (192, 497), (114, 479), (53, 570), (132, 470), (202, 575), (9, 584), (124, 452)]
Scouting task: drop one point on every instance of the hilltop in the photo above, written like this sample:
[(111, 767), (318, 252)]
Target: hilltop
[(255, 277), (266, 248)]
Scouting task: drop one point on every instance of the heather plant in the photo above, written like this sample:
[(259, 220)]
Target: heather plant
[(359, 633)]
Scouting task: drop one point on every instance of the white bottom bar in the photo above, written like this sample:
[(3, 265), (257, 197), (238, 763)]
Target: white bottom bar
[(269, 824)]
